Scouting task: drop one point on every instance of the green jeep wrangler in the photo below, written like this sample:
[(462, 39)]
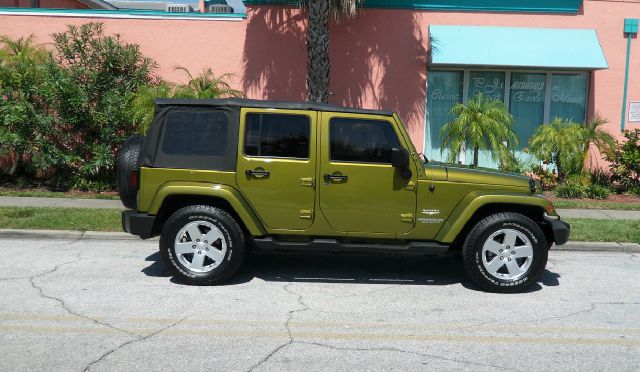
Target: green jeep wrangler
[(216, 178)]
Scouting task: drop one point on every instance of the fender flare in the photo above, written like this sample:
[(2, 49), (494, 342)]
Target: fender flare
[(475, 200), (225, 192)]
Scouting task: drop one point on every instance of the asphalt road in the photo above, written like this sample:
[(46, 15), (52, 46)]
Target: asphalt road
[(108, 305)]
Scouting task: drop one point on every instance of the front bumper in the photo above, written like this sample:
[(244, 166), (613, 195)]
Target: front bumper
[(559, 229), (140, 224)]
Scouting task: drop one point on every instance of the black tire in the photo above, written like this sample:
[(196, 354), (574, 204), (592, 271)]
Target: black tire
[(226, 226), (499, 223), (129, 160)]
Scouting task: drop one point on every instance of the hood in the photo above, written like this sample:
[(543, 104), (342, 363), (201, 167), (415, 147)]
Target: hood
[(487, 176)]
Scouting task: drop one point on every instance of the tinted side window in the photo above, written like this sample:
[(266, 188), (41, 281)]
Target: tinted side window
[(197, 132), (275, 135), (360, 140)]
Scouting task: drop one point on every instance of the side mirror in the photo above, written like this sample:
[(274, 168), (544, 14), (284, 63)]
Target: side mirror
[(399, 157)]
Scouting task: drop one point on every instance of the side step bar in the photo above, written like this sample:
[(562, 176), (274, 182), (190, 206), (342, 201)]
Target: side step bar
[(333, 245)]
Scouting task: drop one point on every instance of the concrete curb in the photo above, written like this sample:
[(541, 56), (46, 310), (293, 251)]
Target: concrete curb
[(65, 234), (101, 235)]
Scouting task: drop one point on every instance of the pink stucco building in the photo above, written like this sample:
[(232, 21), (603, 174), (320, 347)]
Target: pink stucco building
[(544, 58)]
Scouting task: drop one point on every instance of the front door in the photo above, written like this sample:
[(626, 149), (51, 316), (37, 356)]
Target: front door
[(359, 189), (276, 166)]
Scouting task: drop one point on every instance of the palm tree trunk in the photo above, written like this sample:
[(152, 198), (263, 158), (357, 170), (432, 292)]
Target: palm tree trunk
[(318, 51), (475, 156)]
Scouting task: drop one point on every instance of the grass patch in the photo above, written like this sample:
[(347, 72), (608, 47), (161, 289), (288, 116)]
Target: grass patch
[(582, 229), (56, 194), (60, 219), (590, 230)]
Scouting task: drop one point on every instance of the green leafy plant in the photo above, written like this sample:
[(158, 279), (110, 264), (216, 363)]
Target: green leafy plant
[(482, 124), (559, 142), (547, 179), (571, 191), (597, 192), (63, 114), (625, 168), (600, 177), (100, 71), (26, 126), (593, 134)]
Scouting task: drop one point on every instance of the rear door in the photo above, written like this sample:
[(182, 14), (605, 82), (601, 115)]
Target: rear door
[(360, 191), (276, 165)]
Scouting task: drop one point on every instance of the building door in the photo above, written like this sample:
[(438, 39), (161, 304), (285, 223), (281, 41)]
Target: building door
[(359, 189), (276, 166)]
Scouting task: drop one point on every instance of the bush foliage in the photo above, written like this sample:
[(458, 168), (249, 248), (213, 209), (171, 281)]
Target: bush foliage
[(625, 169), (64, 113)]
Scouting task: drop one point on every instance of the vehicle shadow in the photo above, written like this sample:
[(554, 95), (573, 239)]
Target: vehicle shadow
[(355, 268)]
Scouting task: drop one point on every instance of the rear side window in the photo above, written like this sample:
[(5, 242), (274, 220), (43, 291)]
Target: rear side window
[(361, 140), (277, 135), (195, 133)]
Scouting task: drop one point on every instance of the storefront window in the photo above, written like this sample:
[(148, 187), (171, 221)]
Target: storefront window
[(489, 83), (524, 93), (568, 96), (444, 90), (526, 104)]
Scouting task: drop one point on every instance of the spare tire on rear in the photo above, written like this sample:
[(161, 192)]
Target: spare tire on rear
[(128, 161)]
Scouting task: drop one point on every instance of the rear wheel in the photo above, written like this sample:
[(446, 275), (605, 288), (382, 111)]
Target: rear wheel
[(202, 245), (505, 252)]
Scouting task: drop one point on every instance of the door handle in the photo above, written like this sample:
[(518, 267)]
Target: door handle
[(335, 177), (257, 173)]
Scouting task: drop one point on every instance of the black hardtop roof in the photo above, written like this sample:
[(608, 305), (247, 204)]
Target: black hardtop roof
[(255, 103)]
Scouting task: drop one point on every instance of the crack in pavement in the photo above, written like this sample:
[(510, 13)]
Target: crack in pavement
[(60, 301), (398, 350), (46, 271), (592, 307), (136, 339), (290, 313)]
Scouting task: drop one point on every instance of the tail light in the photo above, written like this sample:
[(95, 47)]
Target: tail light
[(134, 179)]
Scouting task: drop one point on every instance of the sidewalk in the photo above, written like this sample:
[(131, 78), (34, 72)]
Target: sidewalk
[(599, 214), (11, 201)]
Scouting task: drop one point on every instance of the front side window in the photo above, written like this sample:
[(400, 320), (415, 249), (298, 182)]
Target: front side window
[(277, 135), (361, 140)]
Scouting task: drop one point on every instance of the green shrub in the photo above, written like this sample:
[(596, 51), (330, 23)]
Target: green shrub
[(571, 191), (597, 192), (600, 177), (547, 179), (63, 115), (634, 191), (559, 142), (626, 165)]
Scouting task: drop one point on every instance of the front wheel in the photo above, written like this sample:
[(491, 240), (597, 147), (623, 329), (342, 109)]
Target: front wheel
[(505, 252), (200, 244)]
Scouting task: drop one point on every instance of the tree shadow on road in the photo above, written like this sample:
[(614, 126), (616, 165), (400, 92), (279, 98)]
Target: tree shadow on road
[(356, 268)]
